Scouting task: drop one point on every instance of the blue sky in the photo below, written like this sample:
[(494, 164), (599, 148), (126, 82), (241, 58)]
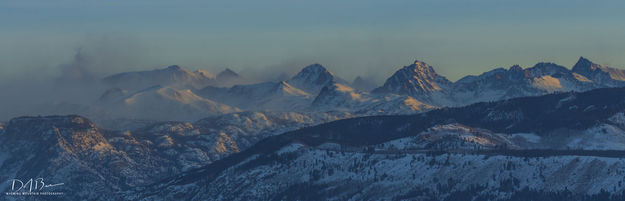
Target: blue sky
[(368, 38)]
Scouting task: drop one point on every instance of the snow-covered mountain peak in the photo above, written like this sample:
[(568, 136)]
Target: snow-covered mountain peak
[(228, 78), (419, 66), (584, 65), (416, 79), (312, 78)]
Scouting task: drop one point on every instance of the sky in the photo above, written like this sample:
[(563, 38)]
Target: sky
[(350, 37)]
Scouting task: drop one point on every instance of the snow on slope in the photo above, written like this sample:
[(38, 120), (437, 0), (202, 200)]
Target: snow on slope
[(274, 96), (386, 175), (457, 136), (172, 76), (165, 103), (344, 98), (421, 82), (418, 80), (65, 149), (93, 162), (313, 78), (453, 136), (547, 83), (609, 76)]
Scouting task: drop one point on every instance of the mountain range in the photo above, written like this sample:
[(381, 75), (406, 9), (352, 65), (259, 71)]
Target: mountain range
[(540, 133), (505, 150), (413, 88), (419, 80), (559, 146)]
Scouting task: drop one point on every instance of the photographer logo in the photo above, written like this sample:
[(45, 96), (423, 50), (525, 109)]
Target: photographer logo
[(32, 186)]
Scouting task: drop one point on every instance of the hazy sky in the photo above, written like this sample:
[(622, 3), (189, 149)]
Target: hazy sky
[(350, 37)]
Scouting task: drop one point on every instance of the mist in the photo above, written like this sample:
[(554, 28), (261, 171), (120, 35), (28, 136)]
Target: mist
[(74, 86), (55, 53)]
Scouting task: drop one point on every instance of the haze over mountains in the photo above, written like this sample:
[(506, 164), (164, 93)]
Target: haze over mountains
[(176, 93), (506, 150), (418, 84), (174, 133)]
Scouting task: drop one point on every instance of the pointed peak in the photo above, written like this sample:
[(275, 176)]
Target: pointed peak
[(227, 73), (419, 68), (584, 66), (228, 70), (414, 80), (313, 69), (583, 60), (363, 84), (312, 77)]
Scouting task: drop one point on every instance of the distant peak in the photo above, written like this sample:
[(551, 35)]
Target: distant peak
[(584, 66), (313, 76), (227, 73), (363, 84), (174, 67), (419, 67), (583, 60), (228, 70), (314, 68), (312, 71)]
